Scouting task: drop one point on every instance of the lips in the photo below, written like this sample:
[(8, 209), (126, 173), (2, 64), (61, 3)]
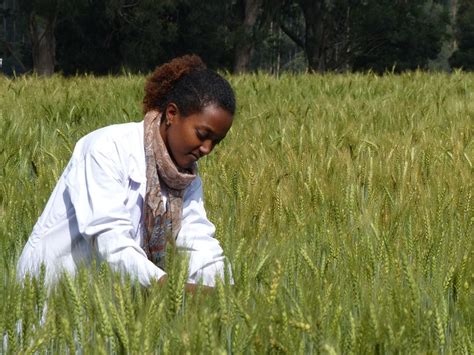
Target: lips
[(194, 156)]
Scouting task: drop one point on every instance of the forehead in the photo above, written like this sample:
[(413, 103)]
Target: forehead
[(214, 119)]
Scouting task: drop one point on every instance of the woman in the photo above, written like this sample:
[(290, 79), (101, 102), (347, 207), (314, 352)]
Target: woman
[(131, 188)]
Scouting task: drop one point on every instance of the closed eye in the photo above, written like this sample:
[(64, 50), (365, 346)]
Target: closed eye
[(205, 135), (201, 134)]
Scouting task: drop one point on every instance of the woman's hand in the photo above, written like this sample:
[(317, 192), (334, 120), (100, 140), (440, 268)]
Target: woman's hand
[(188, 287)]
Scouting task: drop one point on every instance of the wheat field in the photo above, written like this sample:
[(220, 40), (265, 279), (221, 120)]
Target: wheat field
[(343, 203)]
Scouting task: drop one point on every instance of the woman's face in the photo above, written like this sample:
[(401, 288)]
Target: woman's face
[(190, 138)]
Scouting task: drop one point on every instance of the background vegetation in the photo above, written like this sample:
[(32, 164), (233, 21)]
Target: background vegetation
[(106, 36), (343, 202)]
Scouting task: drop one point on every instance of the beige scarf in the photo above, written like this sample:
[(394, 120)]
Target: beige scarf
[(162, 223)]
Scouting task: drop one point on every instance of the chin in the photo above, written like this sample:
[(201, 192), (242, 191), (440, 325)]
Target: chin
[(185, 165)]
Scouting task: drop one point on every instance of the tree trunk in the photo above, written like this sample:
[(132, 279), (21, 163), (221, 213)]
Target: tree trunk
[(243, 54), (453, 10), (245, 43), (43, 44), (313, 11)]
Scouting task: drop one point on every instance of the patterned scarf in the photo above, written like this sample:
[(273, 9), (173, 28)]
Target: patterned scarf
[(162, 223)]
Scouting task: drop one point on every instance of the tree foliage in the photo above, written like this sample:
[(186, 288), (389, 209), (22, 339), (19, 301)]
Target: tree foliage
[(398, 35), (13, 51), (101, 36), (104, 36), (370, 34)]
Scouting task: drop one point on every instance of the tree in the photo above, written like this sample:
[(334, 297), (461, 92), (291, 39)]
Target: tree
[(42, 16), (463, 57), (247, 14), (397, 35), (315, 39), (248, 25), (322, 28), (102, 36), (90, 34), (369, 34), (12, 46), (203, 28)]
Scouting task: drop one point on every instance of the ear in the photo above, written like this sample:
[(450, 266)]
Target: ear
[(171, 113)]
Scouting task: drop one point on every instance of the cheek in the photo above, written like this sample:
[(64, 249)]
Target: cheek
[(173, 142), (181, 142), (189, 140)]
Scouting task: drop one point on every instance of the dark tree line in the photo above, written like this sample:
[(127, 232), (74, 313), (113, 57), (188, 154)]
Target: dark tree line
[(107, 36)]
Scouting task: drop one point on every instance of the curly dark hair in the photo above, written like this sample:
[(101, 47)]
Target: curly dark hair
[(186, 82)]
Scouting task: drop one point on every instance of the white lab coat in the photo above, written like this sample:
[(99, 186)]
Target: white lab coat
[(96, 212)]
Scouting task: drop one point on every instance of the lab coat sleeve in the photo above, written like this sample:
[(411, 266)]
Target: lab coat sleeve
[(97, 184), (196, 237)]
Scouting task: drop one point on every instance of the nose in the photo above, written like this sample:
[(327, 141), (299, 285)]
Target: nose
[(206, 147)]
